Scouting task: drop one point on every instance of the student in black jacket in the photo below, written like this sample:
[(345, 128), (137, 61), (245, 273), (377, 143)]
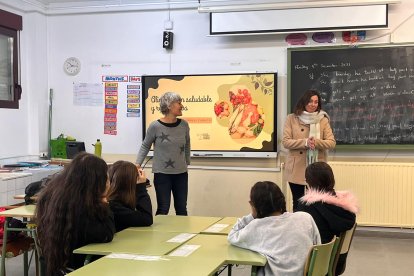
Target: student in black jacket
[(72, 211), (128, 196), (333, 211)]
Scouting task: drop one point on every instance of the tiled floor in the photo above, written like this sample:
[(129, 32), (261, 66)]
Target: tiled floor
[(369, 256)]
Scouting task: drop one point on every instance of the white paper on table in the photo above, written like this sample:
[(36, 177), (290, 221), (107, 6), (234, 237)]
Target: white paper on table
[(215, 228), (185, 250), (134, 257), (183, 237)]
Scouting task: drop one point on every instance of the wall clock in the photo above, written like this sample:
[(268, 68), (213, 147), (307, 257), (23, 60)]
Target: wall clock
[(72, 66)]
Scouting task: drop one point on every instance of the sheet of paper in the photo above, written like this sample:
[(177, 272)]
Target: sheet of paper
[(134, 257), (215, 228), (185, 250), (183, 237), (87, 94)]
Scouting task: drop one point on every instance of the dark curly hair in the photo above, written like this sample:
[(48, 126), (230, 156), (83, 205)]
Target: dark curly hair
[(74, 193), (267, 198)]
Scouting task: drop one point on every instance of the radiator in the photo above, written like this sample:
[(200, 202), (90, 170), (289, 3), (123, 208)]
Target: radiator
[(385, 191)]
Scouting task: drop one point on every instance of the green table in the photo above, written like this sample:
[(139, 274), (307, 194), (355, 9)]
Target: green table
[(133, 242), (183, 224), (218, 246), (213, 252), (25, 212), (166, 266), (213, 229)]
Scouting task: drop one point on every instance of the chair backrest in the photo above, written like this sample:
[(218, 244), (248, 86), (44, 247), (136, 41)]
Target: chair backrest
[(317, 263), (335, 251), (347, 239), (342, 252)]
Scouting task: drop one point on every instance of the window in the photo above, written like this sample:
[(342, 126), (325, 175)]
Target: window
[(10, 89)]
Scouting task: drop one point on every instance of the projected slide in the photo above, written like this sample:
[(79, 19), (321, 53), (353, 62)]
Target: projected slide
[(232, 112)]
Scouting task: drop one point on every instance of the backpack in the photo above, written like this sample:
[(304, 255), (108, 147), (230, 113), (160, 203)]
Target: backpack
[(34, 188)]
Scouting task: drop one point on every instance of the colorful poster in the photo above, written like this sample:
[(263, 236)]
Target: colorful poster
[(111, 108), (133, 97)]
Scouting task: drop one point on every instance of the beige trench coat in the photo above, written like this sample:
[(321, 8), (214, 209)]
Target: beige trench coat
[(295, 134)]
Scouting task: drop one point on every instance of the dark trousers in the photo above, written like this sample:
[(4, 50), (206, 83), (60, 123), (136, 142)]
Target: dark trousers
[(297, 192), (177, 184)]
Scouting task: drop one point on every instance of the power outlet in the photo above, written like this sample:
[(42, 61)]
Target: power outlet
[(43, 155)]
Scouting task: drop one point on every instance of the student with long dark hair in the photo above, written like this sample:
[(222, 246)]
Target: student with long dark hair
[(128, 196), (284, 238), (72, 211)]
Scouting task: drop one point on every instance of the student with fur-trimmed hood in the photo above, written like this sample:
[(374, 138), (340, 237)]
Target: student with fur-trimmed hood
[(333, 211)]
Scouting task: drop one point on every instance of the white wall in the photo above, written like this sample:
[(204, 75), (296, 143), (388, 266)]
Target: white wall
[(14, 134), (22, 129)]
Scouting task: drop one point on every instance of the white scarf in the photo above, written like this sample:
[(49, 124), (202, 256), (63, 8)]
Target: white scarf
[(313, 120)]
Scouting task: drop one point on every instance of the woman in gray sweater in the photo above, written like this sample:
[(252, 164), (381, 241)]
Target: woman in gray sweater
[(171, 139), (284, 238)]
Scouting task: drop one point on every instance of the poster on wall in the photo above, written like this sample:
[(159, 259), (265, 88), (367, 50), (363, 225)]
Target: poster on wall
[(87, 94), (122, 93), (111, 108), (227, 113), (133, 100)]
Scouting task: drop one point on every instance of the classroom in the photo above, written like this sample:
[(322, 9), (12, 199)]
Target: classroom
[(124, 42)]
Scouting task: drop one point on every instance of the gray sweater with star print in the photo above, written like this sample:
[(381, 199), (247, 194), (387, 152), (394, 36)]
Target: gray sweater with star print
[(171, 147)]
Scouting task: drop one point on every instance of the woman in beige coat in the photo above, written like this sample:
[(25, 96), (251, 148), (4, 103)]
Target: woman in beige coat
[(307, 135)]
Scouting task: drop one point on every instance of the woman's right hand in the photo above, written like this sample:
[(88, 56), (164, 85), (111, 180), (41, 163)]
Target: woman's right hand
[(311, 143), (141, 178)]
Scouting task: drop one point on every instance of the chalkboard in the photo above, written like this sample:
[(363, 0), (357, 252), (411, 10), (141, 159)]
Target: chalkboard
[(367, 91)]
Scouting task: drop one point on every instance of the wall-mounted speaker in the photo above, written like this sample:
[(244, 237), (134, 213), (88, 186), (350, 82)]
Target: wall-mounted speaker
[(167, 40)]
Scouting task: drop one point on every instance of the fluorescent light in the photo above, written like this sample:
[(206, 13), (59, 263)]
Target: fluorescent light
[(292, 5)]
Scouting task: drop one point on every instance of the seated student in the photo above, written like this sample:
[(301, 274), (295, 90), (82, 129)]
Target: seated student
[(128, 196), (72, 211), (333, 211), (284, 238)]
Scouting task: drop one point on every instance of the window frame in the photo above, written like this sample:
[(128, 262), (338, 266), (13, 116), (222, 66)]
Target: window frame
[(11, 25)]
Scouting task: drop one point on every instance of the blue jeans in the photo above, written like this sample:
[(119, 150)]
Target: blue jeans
[(177, 184)]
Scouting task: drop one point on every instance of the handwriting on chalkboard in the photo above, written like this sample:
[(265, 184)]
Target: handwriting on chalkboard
[(368, 92)]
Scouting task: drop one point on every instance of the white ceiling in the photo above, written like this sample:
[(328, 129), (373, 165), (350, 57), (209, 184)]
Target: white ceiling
[(59, 1), (87, 6)]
